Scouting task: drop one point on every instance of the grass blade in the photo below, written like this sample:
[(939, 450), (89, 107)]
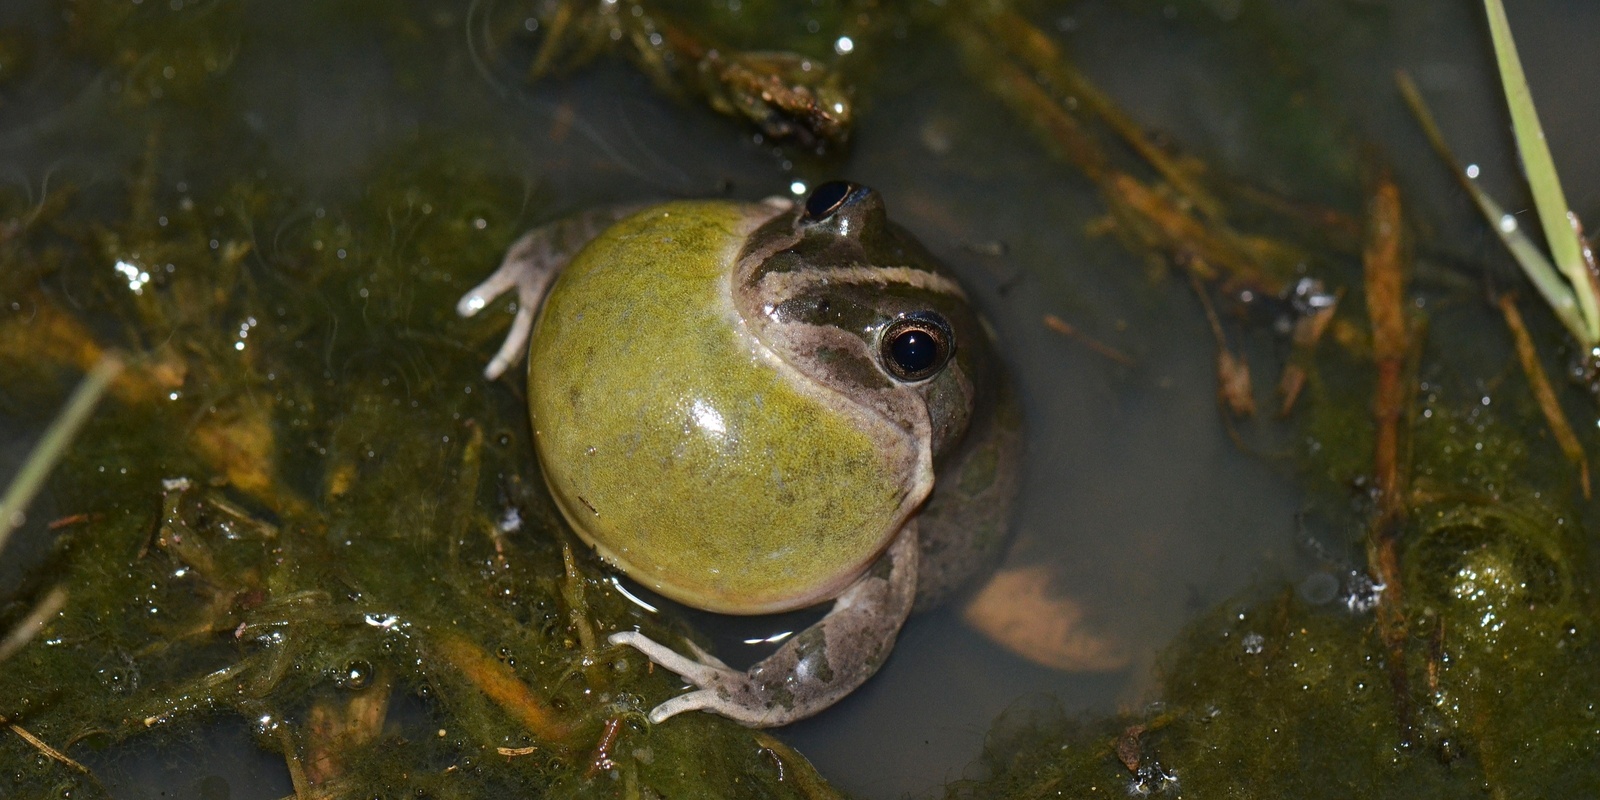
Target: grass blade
[(1555, 290), (1554, 215), (48, 452)]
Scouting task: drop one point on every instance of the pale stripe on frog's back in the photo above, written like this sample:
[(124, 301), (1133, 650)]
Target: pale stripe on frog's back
[(777, 287)]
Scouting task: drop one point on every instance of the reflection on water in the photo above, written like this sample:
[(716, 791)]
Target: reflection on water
[(1138, 503)]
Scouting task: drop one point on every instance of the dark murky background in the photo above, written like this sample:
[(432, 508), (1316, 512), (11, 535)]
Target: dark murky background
[(1144, 507)]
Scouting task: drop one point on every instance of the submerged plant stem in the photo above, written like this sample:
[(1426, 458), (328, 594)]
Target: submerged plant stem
[(1071, 331), (1174, 215), (44, 748), (1026, 42), (303, 789), (1308, 332), (1383, 260), (1560, 226), (797, 771), (1060, 132), (1235, 392), (25, 486), (501, 685), (1557, 293), (1549, 405), (33, 623), (577, 604)]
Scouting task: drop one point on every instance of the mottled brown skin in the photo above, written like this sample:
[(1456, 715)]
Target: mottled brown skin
[(967, 412), (715, 413)]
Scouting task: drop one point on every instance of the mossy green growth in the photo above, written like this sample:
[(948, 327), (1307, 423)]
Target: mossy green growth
[(302, 510), (305, 504), (158, 49), (1271, 697), (343, 543), (1274, 695)]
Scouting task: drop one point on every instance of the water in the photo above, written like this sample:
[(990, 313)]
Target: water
[(1137, 500)]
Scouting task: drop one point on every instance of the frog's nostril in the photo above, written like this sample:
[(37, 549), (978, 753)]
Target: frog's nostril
[(827, 198)]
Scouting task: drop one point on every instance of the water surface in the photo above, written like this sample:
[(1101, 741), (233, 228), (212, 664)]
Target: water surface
[(1136, 498)]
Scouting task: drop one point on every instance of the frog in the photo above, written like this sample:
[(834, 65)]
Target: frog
[(752, 407)]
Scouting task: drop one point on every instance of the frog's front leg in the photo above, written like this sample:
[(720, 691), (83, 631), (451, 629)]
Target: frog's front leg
[(529, 265), (815, 668)]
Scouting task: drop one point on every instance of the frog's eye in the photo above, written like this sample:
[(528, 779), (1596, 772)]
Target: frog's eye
[(826, 199), (916, 346)]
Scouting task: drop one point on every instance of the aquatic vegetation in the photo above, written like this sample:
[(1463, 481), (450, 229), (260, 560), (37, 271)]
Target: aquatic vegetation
[(1457, 659), (301, 511), (788, 96), (1568, 284), (53, 445), (302, 603)]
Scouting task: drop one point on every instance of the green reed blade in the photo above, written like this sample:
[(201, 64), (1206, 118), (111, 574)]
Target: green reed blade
[(1555, 290), (1554, 215), (48, 452)]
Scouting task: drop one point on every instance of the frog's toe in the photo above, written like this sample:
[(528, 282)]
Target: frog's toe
[(478, 297), (733, 701), (529, 266), (516, 269), (738, 700), (704, 657), (718, 688), (701, 699), (696, 672), (516, 341)]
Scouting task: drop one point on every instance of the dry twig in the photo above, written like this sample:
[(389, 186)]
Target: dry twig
[(1383, 258), (501, 685), (30, 626), (45, 749), (1544, 392), (1234, 390), (1071, 331), (1308, 331)]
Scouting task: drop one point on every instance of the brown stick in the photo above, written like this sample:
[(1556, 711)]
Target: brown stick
[(1071, 331), (40, 745), (1308, 332), (502, 686), (601, 760), (1383, 259), (1235, 392), (1544, 393), (1030, 45), (34, 622)]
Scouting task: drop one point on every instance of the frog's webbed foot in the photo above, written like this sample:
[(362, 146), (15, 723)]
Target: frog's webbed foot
[(529, 265), (816, 667)]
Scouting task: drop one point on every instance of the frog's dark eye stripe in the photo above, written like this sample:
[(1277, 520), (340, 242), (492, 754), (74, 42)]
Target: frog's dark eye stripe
[(826, 199), (916, 346)]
